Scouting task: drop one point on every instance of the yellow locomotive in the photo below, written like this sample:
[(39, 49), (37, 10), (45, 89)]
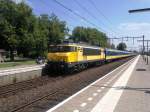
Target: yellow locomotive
[(73, 56)]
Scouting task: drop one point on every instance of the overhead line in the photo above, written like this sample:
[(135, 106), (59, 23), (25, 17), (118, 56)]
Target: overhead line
[(85, 9), (72, 17), (100, 13), (71, 29), (83, 18), (92, 15)]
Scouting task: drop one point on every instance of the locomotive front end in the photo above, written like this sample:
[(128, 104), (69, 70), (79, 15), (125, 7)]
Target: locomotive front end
[(61, 57)]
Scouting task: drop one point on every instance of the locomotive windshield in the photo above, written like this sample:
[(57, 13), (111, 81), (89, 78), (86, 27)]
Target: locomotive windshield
[(62, 49)]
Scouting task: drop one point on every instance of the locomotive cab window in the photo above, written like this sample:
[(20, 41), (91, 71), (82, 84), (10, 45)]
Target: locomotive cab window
[(62, 49)]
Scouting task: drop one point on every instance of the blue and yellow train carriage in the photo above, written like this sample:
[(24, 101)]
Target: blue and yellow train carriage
[(112, 54)]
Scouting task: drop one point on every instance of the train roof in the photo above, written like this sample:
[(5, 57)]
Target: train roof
[(89, 46), (79, 44), (107, 49)]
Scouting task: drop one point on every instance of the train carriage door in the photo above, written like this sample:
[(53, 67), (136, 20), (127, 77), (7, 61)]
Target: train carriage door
[(103, 53), (100, 54)]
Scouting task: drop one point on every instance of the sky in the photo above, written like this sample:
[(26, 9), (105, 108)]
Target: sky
[(109, 16)]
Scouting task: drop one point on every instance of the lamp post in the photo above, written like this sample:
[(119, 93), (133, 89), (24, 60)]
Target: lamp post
[(139, 10)]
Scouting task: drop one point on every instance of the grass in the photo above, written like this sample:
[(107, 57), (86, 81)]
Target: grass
[(17, 63)]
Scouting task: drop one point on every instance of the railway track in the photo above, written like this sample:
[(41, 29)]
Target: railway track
[(54, 96), (32, 102), (11, 89), (55, 90)]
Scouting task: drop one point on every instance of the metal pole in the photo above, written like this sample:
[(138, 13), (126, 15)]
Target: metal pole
[(143, 45), (143, 48), (147, 52)]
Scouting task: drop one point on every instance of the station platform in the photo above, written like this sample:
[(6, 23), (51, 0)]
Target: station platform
[(125, 89), (17, 74), (20, 69)]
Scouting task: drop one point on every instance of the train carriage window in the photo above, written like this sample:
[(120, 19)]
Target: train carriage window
[(115, 53), (108, 53), (91, 51)]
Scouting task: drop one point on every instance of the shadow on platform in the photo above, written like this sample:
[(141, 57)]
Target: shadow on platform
[(145, 90)]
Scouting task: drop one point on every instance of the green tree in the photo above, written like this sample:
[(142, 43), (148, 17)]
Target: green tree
[(121, 46), (21, 30), (56, 30), (8, 16), (41, 34), (89, 35), (25, 29), (79, 34), (50, 30), (30, 36)]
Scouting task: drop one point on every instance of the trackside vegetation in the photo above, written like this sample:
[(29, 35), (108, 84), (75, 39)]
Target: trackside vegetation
[(30, 35)]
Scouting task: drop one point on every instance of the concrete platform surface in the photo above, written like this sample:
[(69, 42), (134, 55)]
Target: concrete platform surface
[(14, 70), (125, 89), (19, 74)]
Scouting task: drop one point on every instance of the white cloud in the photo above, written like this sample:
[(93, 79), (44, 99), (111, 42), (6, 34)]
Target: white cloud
[(25, 1), (135, 28), (29, 3), (17, 1)]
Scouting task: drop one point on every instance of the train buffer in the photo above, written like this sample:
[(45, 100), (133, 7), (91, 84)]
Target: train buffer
[(125, 89)]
